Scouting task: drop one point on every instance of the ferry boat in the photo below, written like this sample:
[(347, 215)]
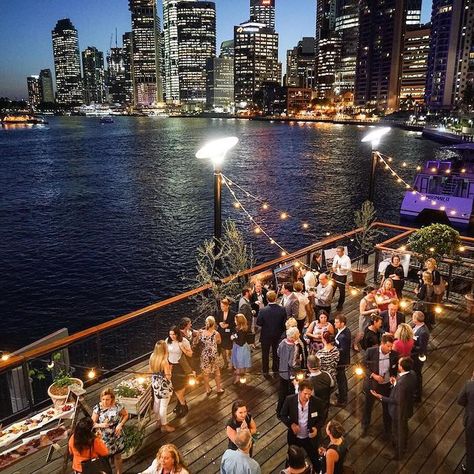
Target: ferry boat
[(443, 190), (23, 119)]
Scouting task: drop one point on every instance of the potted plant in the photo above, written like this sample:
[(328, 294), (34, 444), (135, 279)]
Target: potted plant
[(133, 435), (365, 240), (134, 394)]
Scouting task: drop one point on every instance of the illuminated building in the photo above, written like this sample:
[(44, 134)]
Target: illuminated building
[(119, 74), (220, 79), (263, 11), (196, 22), (227, 49), (67, 64), (300, 62), (94, 76), (145, 63), (255, 62), (170, 43), (34, 93), (297, 99), (46, 86), (413, 12), (415, 64)]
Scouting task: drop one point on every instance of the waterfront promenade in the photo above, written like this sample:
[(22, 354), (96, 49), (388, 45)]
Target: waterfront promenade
[(436, 441)]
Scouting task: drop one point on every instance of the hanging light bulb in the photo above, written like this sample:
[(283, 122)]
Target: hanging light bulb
[(403, 304), (413, 192), (283, 215), (463, 170), (433, 203), (243, 379), (418, 168), (359, 371), (390, 159), (423, 198), (283, 253), (265, 206), (50, 365), (300, 376), (141, 380), (354, 292), (5, 356), (462, 248), (237, 205), (192, 380), (432, 249), (403, 248), (422, 358), (272, 241), (305, 225), (91, 374), (453, 212), (257, 230), (404, 164), (328, 234), (433, 170), (442, 208), (438, 309)]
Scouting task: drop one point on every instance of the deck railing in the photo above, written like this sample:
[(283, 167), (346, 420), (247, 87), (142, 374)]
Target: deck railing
[(113, 346)]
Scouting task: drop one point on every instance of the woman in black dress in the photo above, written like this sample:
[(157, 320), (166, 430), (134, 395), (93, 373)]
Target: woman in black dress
[(395, 271), (226, 327), (241, 420), (335, 453)]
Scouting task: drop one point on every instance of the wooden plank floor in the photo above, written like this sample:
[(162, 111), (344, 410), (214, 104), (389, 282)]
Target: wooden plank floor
[(436, 442)]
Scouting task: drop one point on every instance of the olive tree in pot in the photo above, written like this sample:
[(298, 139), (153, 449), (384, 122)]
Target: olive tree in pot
[(365, 239)]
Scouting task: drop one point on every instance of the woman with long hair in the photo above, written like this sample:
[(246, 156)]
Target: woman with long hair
[(335, 453), (367, 308), (110, 417), (426, 297), (241, 420), (241, 355), (225, 319), (161, 384), (386, 294), (84, 444), (436, 279), (168, 461), (404, 341), (396, 272), (210, 339)]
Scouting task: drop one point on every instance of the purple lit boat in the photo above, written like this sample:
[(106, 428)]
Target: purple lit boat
[(443, 190)]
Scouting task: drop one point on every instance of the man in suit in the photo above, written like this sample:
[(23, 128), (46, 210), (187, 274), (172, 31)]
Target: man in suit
[(245, 307), (271, 319), (322, 384), (381, 363), (343, 344), (324, 295), (421, 335), (466, 399), (289, 301), (400, 404), (391, 318), (259, 297), (301, 413)]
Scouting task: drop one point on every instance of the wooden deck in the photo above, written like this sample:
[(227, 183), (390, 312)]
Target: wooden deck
[(436, 441)]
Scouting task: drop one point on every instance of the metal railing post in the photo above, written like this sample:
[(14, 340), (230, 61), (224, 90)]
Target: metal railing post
[(376, 265), (26, 380)]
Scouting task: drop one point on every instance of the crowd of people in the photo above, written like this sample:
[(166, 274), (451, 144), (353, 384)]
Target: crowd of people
[(308, 348)]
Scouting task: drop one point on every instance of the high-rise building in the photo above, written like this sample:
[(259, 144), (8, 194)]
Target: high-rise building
[(300, 62), (413, 12), (227, 49), (347, 26), (263, 11), (450, 50), (119, 74), (381, 29), (46, 86), (146, 76), (170, 36), (415, 64), (94, 76), (220, 84), (255, 62), (67, 63), (127, 63), (196, 23), (34, 93)]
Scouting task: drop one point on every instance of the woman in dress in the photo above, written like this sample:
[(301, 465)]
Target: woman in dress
[(187, 331), (315, 331), (329, 355), (168, 461), (386, 294), (84, 444), (226, 327), (432, 267), (395, 271), (161, 384), (241, 356), (110, 417), (367, 308), (241, 420), (426, 298), (210, 339), (335, 453), (404, 341), (177, 348)]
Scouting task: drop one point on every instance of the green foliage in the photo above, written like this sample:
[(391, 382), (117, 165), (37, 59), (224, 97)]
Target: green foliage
[(61, 375), (436, 240), (132, 436), (127, 392)]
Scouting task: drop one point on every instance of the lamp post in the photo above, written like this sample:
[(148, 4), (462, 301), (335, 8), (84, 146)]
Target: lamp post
[(216, 151), (374, 138)]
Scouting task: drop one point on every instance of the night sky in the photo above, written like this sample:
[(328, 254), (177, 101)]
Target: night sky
[(25, 30)]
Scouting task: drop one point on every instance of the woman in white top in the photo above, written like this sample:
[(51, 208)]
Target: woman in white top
[(168, 461)]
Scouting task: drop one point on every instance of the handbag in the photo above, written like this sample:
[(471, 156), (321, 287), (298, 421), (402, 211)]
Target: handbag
[(441, 288), (99, 465)]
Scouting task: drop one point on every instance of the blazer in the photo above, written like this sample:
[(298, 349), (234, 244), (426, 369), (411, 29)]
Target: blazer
[(289, 412), (466, 399), (343, 344), (386, 324), (400, 401), (422, 337), (254, 299), (371, 362), (291, 306), (271, 319), (246, 309), (230, 320)]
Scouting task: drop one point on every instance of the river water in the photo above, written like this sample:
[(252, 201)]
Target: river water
[(98, 220)]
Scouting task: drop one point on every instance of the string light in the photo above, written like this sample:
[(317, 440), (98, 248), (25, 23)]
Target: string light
[(432, 249), (91, 374), (283, 253), (5, 356), (300, 376), (354, 292), (265, 206), (462, 248), (359, 371), (438, 309), (243, 379), (192, 380), (237, 205), (257, 230), (305, 225), (50, 365), (422, 358), (141, 380), (283, 215), (403, 304)]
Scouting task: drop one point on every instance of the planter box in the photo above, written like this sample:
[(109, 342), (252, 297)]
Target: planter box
[(136, 406)]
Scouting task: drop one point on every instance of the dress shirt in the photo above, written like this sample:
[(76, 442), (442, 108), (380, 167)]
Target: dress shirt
[(303, 420), (392, 323), (303, 299), (384, 365), (309, 280), (339, 332), (238, 462), (345, 263), (324, 295)]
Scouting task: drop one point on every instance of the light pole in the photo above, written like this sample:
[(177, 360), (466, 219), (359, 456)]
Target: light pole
[(374, 139), (216, 151)]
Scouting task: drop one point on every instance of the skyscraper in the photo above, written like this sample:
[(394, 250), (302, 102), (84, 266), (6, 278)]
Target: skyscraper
[(220, 84), (170, 35), (67, 63), (227, 49), (146, 77), (127, 64), (34, 94), (263, 11), (381, 29), (300, 62), (413, 12), (119, 74), (255, 62), (196, 22), (94, 76), (46, 86)]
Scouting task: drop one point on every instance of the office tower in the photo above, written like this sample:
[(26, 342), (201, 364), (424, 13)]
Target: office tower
[(263, 11), (119, 75), (300, 62), (413, 12), (94, 76), (414, 65), (255, 61), (381, 29), (34, 94), (227, 49), (196, 22), (170, 36), (220, 84), (67, 64), (347, 26), (450, 50), (127, 64), (145, 64), (46, 86)]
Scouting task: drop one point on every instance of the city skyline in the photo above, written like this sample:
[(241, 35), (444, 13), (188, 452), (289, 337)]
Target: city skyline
[(25, 33)]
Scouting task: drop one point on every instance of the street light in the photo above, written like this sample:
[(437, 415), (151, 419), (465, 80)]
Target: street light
[(216, 151), (374, 138)]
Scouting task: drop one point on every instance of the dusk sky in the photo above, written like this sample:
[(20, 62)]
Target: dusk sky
[(25, 30)]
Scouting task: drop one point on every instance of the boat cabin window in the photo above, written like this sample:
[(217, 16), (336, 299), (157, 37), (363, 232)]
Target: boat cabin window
[(423, 184), (444, 165), (432, 164)]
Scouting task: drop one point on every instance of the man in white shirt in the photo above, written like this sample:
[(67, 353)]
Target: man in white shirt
[(324, 295), (341, 266), (303, 306), (309, 279)]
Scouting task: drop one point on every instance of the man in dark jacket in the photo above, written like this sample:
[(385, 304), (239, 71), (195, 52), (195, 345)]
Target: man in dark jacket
[(301, 413), (343, 344), (391, 318), (421, 335), (271, 319), (466, 399)]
